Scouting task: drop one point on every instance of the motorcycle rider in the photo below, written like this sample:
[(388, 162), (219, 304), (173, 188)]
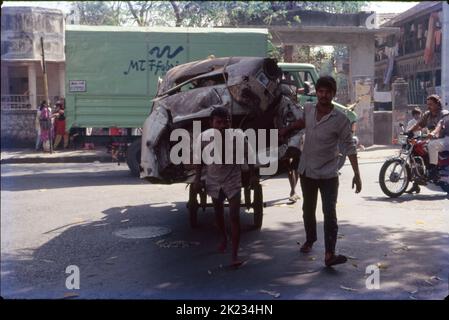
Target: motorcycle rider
[(429, 120), (440, 143)]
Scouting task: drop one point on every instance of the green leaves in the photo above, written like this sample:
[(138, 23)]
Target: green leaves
[(203, 13)]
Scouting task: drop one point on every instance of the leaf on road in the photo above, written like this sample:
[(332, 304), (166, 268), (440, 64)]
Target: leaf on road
[(123, 210), (123, 221), (311, 259), (351, 257), (347, 288), (436, 278), (382, 266), (69, 295), (429, 283), (340, 236), (355, 265), (271, 293), (403, 248), (420, 222)]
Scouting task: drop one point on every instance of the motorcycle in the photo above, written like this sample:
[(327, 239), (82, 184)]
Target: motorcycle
[(411, 165)]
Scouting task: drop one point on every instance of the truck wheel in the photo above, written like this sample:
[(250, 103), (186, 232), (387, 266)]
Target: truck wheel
[(193, 206), (133, 157), (258, 206)]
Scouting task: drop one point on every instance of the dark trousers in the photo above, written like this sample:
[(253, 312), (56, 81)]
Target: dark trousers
[(329, 191)]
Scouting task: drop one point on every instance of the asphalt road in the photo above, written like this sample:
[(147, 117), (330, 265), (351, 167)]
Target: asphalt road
[(57, 215)]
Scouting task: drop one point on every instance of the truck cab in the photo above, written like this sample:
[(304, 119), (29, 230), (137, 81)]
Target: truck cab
[(303, 76)]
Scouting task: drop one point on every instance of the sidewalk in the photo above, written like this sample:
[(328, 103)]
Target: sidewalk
[(378, 152), (11, 156), (15, 156)]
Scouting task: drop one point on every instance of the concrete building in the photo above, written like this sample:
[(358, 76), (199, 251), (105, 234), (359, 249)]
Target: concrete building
[(22, 83), (21, 66), (415, 55), (357, 32)]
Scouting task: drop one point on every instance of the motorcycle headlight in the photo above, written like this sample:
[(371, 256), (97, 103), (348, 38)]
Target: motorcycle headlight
[(402, 139)]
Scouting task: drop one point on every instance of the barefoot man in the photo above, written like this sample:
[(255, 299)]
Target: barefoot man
[(223, 181)]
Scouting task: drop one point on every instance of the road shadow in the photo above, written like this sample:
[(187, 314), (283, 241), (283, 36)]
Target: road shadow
[(57, 180), (408, 198), (185, 264)]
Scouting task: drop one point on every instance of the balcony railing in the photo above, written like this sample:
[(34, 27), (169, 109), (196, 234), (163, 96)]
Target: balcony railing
[(16, 102), (23, 102)]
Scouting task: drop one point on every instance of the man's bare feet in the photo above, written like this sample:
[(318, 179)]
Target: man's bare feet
[(331, 259), (236, 263)]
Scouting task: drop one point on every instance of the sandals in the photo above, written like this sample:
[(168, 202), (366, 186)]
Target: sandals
[(334, 260)]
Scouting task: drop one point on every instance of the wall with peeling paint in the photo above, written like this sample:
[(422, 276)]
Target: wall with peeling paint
[(22, 28)]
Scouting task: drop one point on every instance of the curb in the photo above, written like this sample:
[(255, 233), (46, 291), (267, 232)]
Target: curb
[(79, 159)]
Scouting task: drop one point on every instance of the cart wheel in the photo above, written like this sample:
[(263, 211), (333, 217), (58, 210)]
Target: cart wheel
[(258, 206), (193, 206)]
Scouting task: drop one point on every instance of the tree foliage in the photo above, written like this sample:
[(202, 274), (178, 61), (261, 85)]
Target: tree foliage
[(204, 13)]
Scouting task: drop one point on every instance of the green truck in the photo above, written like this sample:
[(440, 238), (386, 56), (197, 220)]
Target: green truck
[(112, 73)]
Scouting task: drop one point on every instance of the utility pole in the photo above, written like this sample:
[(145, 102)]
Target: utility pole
[(44, 71)]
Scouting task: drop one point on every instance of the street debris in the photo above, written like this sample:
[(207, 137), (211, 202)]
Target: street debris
[(70, 295), (420, 222), (308, 271), (123, 210), (176, 244), (413, 298), (382, 266), (209, 272), (271, 293), (352, 258), (436, 278), (125, 220), (340, 236), (355, 265), (402, 248), (348, 289), (311, 259), (429, 283)]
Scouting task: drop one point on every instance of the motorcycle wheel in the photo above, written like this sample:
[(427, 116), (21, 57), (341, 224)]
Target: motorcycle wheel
[(392, 180)]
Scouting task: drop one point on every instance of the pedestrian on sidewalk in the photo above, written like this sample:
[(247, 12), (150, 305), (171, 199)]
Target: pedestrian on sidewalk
[(37, 126), (60, 129), (325, 128), (45, 125)]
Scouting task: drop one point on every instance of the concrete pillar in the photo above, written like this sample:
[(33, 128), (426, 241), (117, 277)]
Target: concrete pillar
[(400, 106), (288, 53), (364, 110), (5, 79), (62, 80), (32, 85), (361, 61), (445, 56)]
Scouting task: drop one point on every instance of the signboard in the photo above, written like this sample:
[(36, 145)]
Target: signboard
[(77, 85)]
